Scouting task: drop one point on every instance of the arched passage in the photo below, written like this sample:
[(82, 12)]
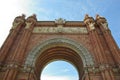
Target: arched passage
[(59, 48), (59, 53), (59, 70)]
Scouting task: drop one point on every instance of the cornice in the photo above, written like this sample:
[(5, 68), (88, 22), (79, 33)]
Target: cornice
[(67, 23)]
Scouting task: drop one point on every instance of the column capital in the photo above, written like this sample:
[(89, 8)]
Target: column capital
[(18, 20), (92, 69), (88, 19), (90, 23), (101, 21), (102, 67), (31, 20)]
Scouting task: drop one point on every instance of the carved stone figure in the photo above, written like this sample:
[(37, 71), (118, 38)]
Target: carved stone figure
[(15, 24), (92, 26), (18, 20), (28, 24), (60, 21), (105, 25), (60, 28)]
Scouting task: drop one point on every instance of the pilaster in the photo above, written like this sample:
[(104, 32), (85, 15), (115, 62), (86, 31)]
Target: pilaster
[(106, 72), (19, 52), (17, 24), (113, 48), (95, 40), (11, 71), (19, 55), (91, 64), (101, 72)]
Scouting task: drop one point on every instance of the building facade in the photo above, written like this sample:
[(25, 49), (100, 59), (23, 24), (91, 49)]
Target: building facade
[(87, 44)]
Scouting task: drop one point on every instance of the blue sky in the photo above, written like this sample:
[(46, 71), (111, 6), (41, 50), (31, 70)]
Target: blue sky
[(76, 10), (59, 70), (54, 9)]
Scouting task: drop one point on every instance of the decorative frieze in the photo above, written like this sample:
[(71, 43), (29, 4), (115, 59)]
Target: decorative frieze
[(22, 68), (90, 69), (26, 68), (100, 68), (60, 29)]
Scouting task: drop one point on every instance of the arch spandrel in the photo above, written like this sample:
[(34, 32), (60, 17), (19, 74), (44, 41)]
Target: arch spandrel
[(86, 57)]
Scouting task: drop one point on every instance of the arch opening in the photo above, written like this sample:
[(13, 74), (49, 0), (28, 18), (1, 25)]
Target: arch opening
[(59, 70), (59, 49), (59, 53)]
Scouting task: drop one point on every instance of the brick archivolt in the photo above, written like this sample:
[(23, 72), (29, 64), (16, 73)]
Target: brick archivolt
[(86, 57)]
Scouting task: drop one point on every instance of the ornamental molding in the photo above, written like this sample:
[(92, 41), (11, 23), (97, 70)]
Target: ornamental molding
[(87, 69), (81, 51), (60, 29), (101, 68)]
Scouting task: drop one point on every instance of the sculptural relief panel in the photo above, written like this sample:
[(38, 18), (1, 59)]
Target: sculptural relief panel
[(61, 29)]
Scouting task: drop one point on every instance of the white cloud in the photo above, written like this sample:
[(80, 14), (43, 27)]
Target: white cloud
[(65, 70), (9, 9), (47, 77)]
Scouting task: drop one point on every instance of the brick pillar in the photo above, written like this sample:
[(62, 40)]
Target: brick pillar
[(99, 52), (103, 72), (18, 55), (106, 72), (95, 40), (19, 52), (86, 74), (31, 76), (11, 72), (17, 24), (113, 48)]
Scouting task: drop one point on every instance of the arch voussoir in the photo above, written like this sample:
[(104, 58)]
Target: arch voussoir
[(61, 49)]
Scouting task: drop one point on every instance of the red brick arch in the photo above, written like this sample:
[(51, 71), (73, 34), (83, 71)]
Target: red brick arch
[(58, 53), (59, 49)]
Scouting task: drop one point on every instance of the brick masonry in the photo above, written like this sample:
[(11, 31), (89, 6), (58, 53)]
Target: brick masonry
[(27, 35)]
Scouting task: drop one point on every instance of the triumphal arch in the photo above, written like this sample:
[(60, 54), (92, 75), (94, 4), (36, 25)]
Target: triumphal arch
[(88, 45)]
